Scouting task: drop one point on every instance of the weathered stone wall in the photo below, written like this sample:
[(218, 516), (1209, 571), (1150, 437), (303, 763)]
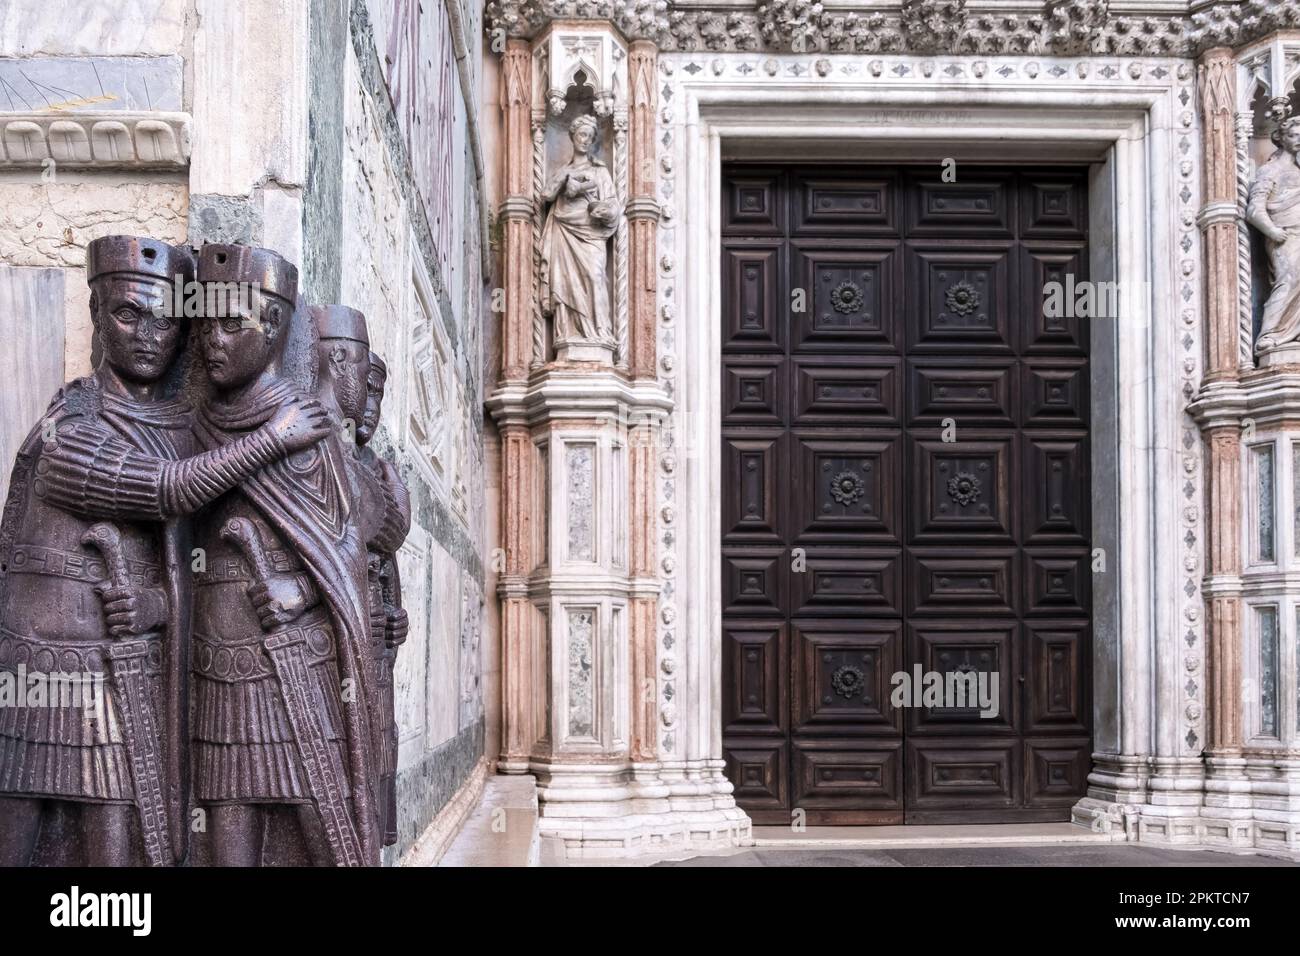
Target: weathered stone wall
[(70, 61), (410, 258)]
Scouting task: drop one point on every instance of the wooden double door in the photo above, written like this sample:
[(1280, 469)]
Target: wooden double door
[(905, 469)]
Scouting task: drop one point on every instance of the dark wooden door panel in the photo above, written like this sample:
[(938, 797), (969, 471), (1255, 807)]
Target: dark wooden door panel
[(906, 493), (840, 679), (755, 666), (847, 391)]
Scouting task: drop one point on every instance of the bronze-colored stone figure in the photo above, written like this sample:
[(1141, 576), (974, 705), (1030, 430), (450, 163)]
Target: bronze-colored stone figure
[(383, 565), (282, 738), (94, 578), (380, 512), (1274, 209)]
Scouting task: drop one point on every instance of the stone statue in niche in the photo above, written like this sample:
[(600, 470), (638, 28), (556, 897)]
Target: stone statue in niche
[(583, 216), (95, 583), (283, 746), (1274, 209)]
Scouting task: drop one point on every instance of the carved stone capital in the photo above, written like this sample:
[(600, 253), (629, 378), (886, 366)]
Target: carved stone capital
[(517, 209), (1214, 213), (643, 208)]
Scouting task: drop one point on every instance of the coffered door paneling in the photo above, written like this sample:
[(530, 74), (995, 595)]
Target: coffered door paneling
[(905, 494)]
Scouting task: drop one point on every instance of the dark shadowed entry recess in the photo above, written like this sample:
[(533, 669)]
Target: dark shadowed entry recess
[(856, 541)]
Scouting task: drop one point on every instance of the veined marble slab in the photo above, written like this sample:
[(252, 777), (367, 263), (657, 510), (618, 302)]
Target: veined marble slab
[(90, 83)]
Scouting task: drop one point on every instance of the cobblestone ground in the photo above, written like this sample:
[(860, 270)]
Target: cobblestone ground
[(1121, 855)]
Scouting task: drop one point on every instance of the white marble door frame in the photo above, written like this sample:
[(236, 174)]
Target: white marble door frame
[(1133, 126)]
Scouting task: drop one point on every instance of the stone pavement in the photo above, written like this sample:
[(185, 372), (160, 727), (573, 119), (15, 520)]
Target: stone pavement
[(1109, 855)]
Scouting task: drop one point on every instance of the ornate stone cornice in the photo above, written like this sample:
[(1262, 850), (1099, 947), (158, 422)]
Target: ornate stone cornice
[(118, 138), (1062, 27)]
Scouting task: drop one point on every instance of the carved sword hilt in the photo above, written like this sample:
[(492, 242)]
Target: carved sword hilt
[(106, 538), (240, 534)]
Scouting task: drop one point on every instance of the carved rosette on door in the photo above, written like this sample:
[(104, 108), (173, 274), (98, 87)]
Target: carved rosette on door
[(908, 470)]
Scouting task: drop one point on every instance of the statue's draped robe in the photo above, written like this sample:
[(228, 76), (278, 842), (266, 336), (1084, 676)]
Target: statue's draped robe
[(303, 499), (1278, 185), (385, 596), (574, 279), (50, 616)]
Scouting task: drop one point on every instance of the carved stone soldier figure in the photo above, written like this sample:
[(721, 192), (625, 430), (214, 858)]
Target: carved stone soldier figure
[(282, 738), (1274, 209), (94, 577), (381, 513), (386, 588), (584, 215)]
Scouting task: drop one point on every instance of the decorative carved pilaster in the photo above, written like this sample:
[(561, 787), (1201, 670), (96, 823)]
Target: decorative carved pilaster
[(1219, 221), (642, 211), (518, 730), (642, 457), (518, 211), (1224, 611)]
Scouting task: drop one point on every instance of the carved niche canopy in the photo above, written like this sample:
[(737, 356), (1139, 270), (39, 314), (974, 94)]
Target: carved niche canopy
[(1042, 27)]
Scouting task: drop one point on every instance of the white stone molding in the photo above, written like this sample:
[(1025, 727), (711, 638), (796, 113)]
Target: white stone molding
[(90, 140), (1135, 122)]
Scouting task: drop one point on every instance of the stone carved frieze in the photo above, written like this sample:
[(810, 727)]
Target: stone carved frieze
[(1064, 27), (933, 26), (1073, 26)]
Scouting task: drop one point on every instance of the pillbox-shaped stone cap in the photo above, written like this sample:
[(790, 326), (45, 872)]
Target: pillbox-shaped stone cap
[(340, 322), (269, 271), (138, 255)]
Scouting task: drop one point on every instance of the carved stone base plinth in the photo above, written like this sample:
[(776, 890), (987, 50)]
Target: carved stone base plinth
[(1242, 802), (584, 352), (1285, 355), (620, 811)]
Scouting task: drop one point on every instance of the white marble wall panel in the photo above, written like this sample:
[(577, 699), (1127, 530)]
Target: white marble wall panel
[(411, 671), (31, 359)]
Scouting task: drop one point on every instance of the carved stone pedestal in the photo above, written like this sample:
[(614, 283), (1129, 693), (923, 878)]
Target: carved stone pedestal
[(1282, 355), (588, 674), (584, 352)]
